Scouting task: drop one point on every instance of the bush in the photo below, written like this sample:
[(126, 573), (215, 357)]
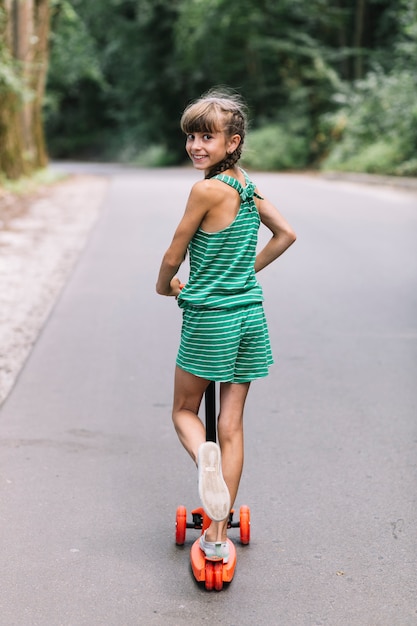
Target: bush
[(408, 168), (375, 129), (274, 148), (380, 157), (155, 156)]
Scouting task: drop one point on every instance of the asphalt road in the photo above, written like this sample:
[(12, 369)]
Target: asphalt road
[(91, 470)]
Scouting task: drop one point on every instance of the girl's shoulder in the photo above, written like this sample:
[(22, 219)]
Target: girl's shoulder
[(209, 190)]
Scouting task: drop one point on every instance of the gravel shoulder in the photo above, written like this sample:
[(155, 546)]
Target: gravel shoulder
[(41, 237)]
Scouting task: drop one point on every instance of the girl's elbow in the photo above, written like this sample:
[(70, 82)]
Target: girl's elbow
[(291, 236), (285, 238)]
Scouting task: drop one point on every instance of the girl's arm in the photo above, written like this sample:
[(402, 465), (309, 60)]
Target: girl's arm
[(197, 206), (282, 234)]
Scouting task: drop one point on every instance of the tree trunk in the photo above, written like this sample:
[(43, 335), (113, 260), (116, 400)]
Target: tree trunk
[(358, 38), (12, 162), (11, 146), (24, 32)]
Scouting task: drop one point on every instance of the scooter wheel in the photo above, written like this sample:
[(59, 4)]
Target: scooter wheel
[(244, 525), (209, 575), (218, 576), (180, 525)]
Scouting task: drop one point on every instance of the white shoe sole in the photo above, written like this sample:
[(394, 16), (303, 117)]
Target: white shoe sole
[(212, 488)]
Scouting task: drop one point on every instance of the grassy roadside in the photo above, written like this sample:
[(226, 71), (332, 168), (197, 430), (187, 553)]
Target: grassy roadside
[(29, 184), (16, 196)]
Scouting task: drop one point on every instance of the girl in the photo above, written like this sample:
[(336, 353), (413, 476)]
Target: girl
[(224, 334)]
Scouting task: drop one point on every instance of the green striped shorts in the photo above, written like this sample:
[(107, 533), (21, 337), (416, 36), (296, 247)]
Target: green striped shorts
[(225, 345)]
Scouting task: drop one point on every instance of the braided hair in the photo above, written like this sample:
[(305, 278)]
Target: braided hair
[(217, 111)]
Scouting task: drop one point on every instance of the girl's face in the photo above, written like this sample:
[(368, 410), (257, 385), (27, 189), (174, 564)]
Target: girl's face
[(207, 149)]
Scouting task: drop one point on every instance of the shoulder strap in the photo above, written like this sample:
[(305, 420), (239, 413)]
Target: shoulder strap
[(229, 180), (245, 193), (250, 183)]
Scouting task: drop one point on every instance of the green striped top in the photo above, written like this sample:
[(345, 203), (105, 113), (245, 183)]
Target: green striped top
[(222, 272)]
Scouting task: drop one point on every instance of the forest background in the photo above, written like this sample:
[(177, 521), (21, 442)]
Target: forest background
[(329, 84)]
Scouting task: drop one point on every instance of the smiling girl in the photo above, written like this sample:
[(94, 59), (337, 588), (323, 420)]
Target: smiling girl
[(224, 335)]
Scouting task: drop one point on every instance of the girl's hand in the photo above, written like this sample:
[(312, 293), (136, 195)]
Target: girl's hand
[(176, 286)]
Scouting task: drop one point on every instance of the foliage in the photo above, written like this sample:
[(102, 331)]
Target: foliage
[(273, 147), (118, 107), (380, 157), (269, 51), (332, 82), (155, 156), (74, 102), (375, 128)]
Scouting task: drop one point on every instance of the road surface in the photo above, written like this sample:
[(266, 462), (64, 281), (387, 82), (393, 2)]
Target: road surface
[(92, 472)]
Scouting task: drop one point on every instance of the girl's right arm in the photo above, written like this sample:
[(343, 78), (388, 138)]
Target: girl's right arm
[(197, 206)]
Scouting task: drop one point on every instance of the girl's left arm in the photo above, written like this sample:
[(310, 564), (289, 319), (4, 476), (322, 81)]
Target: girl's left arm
[(197, 206), (282, 234)]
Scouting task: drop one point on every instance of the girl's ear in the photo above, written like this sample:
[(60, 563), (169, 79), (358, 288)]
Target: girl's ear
[(233, 143)]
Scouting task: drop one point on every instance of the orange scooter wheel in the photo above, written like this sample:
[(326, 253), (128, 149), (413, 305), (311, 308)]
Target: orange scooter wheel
[(244, 524), (209, 575), (218, 576), (180, 525)]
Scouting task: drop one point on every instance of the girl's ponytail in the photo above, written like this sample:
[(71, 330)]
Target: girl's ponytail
[(236, 125)]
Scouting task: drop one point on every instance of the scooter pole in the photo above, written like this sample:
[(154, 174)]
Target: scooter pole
[(210, 406)]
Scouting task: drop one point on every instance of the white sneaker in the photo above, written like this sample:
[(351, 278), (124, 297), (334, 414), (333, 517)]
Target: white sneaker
[(212, 488), (218, 549)]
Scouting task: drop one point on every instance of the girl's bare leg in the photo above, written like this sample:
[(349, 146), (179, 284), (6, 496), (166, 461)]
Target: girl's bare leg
[(230, 433), (188, 393)]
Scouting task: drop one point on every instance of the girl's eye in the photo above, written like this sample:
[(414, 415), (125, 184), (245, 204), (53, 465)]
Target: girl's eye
[(205, 136)]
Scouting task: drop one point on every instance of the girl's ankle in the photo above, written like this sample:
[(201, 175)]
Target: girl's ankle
[(216, 532)]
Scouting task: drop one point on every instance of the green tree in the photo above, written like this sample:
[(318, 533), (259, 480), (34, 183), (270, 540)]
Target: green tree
[(75, 106), (123, 70), (375, 127), (122, 85)]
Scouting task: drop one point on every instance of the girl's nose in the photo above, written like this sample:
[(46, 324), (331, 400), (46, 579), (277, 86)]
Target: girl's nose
[(196, 145)]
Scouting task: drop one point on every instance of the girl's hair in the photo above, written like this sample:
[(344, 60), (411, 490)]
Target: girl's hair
[(217, 110)]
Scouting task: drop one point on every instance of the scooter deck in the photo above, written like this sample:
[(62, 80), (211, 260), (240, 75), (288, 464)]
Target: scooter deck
[(199, 562)]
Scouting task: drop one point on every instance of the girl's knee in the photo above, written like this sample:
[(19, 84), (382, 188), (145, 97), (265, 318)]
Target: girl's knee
[(230, 430)]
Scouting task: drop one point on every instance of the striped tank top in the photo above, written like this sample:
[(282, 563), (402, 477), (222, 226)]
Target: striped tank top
[(222, 273)]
